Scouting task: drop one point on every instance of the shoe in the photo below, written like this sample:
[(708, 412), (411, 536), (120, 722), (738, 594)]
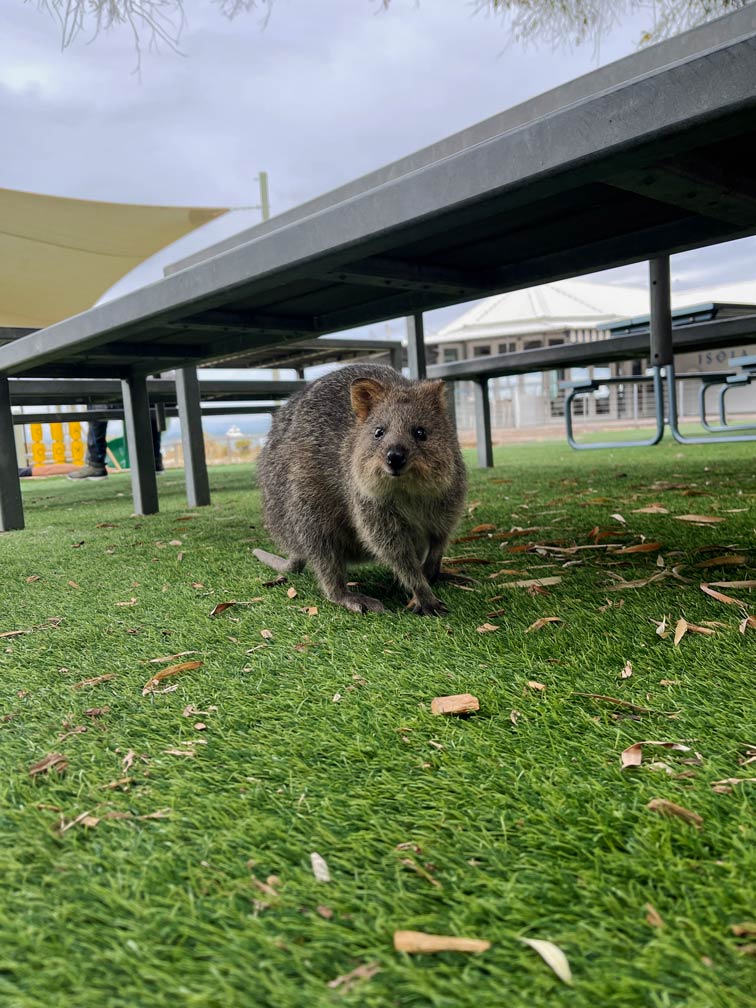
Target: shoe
[(89, 472)]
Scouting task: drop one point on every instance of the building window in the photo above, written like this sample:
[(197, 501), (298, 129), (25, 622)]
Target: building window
[(507, 347), (556, 342), (450, 354), (534, 344), (482, 351)]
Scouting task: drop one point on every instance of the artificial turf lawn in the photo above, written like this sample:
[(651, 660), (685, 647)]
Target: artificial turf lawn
[(322, 740)]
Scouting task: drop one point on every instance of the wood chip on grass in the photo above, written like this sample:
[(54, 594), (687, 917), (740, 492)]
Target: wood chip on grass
[(418, 942), (459, 703)]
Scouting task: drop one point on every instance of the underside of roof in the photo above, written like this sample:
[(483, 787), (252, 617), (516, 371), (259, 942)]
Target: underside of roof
[(59, 255)]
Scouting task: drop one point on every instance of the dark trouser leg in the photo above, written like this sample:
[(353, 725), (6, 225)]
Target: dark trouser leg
[(97, 446)]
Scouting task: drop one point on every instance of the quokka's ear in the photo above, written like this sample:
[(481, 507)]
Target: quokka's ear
[(366, 394), (436, 392)]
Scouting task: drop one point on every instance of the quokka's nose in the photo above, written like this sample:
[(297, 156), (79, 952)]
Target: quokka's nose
[(395, 458)]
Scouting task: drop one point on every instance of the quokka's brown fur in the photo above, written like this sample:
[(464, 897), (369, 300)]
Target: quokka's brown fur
[(363, 465)]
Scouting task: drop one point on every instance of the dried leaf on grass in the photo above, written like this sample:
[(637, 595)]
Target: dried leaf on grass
[(682, 627), (94, 682), (292, 592), (532, 583), (747, 929), (719, 596), (486, 628), (168, 658), (639, 583), (538, 687), (699, 519), (615, 702), (90, 821), (734, 584), (543, 621), (633, 755), (646, 547), (651, 509), (459, 703), (419, 942), (653, 917), (319, 867), (266, 634), (746, 623), (553, 956), (15, 633), (53, 761), (221, 607), (172, 670), (348, 980), (726, 786), (727, 560), (669, 808), (627, 670)]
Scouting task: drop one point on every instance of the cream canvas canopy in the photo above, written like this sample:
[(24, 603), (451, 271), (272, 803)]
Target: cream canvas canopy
[(59, 255)]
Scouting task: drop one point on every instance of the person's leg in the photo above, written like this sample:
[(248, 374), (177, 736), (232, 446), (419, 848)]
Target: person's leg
[(97, 443), (97, 450), (156, 443)]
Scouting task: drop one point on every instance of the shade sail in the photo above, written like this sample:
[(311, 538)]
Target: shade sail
[(59, 255)]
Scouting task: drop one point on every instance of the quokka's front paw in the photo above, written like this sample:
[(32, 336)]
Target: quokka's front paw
[(428, 607), (361, 603)]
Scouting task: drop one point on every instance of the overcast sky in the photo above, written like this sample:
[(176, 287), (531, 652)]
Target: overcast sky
[(322, 93)]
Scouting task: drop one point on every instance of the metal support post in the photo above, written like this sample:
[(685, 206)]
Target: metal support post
[(160, 416), (483, 423), (451, 403), (660, 329), (136, 416), (192, 440), (11, 506), (416, 346)]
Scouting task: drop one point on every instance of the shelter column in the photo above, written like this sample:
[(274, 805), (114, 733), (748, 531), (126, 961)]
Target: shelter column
[(136, 417), (11, 506), (192, 440), (661, 312), (416, 346), (483, 423)]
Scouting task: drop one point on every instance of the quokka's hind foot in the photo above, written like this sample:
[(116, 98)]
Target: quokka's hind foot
[(280, 564), (359, 603)]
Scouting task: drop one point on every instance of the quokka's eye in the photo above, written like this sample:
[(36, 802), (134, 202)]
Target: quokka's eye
[(378, 432), (419, 434)]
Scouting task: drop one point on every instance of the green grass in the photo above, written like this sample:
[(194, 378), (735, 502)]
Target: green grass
[(530, 829)]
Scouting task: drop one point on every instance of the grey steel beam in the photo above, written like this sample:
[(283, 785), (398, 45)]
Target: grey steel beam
[(669, 110), (483, 439), (219, 321), (136, 408), (190, 415), (647, 60), (41, 392), (693, 187), (398, 274), (416, 346), (67, 416), (11, 505)]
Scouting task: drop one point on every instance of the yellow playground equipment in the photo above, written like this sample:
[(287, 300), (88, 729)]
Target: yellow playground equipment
[(64, 440)]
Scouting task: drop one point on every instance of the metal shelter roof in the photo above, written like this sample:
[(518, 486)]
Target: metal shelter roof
[(641, 158)]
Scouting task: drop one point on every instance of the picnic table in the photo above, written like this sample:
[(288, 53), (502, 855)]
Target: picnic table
[(637, 160)]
